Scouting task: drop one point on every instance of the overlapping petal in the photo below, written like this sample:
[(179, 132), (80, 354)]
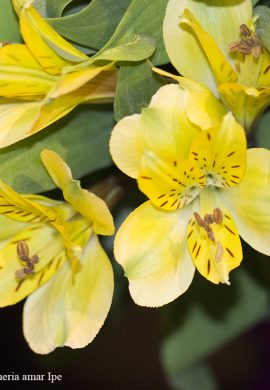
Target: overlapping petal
[(249, 202), (67, 312), (87, 204)]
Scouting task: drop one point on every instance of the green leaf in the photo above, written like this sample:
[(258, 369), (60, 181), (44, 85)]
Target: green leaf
[(145, 18), (9, 26), (56, 8), (197, 377), (92, 26), (81, 139), (208, 316), (254, 2), (136, 84), (263, 25), (262, 135), (130, 48)]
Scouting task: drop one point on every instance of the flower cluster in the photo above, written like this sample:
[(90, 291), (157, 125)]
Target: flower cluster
[(187, 150)]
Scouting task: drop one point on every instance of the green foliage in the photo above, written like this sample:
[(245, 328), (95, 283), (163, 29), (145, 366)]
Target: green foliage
[(262, 134), (97, 24), (254, 2), (81, 139), (9, 26), (93, 25), (136, 84), (263, 25)]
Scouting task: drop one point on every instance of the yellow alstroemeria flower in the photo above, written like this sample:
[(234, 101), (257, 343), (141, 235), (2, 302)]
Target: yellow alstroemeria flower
[(204, 189), (50, 252), (39, 83), (214, 43)]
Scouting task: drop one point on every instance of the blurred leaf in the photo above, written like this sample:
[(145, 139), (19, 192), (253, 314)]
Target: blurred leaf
[(254, 2), (9, 26), (81, 139), (197, 377), (262, 135), (136, 84), (143, 17), (92, 26), (263, 25), (209, 316)]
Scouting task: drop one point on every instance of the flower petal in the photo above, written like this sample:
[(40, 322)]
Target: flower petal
[(201, 106), (127, 145), (182, 45), (165, 127), (51, 50), (245, 102), (151, 247), (170, 184), (43, 241), (217, 251), (249, 202), (221, 153), (65, 313), (87, 204)]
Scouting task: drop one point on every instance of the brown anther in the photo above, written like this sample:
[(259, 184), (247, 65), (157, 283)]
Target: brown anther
[(200, 221), (219, 252), (23, 253), (209, 218), (22, 250), (217, 215), (245, 31), (249, 44)]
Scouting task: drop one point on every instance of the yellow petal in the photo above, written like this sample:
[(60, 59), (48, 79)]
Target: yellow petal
[(74, 80), (51, 50), (19, 55), (127, 145), (221, 68), (245, 102), (170, 184), (17, 120), (201, 106), (43, 241), (183, 47), (151, 247), (215, 254), (221, 153), (165, 127), (89, 205), (249, 202), (65, 313)]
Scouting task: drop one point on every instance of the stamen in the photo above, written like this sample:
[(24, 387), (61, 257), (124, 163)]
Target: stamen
[(208, 220), (249, 44), (23, 254)]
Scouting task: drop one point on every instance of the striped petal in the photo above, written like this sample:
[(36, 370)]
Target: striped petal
[(215, 248), (51, 50), (87, 204), (67, 312), (221, 153)]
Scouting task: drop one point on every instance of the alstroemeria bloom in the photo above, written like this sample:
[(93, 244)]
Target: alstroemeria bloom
[(51, 253), (38, 80), (204, 189), (214, 43)]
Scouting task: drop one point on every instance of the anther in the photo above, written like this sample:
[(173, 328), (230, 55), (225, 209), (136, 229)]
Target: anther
[(23, 254), (249, 43), (217, 215), (22, 250)]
